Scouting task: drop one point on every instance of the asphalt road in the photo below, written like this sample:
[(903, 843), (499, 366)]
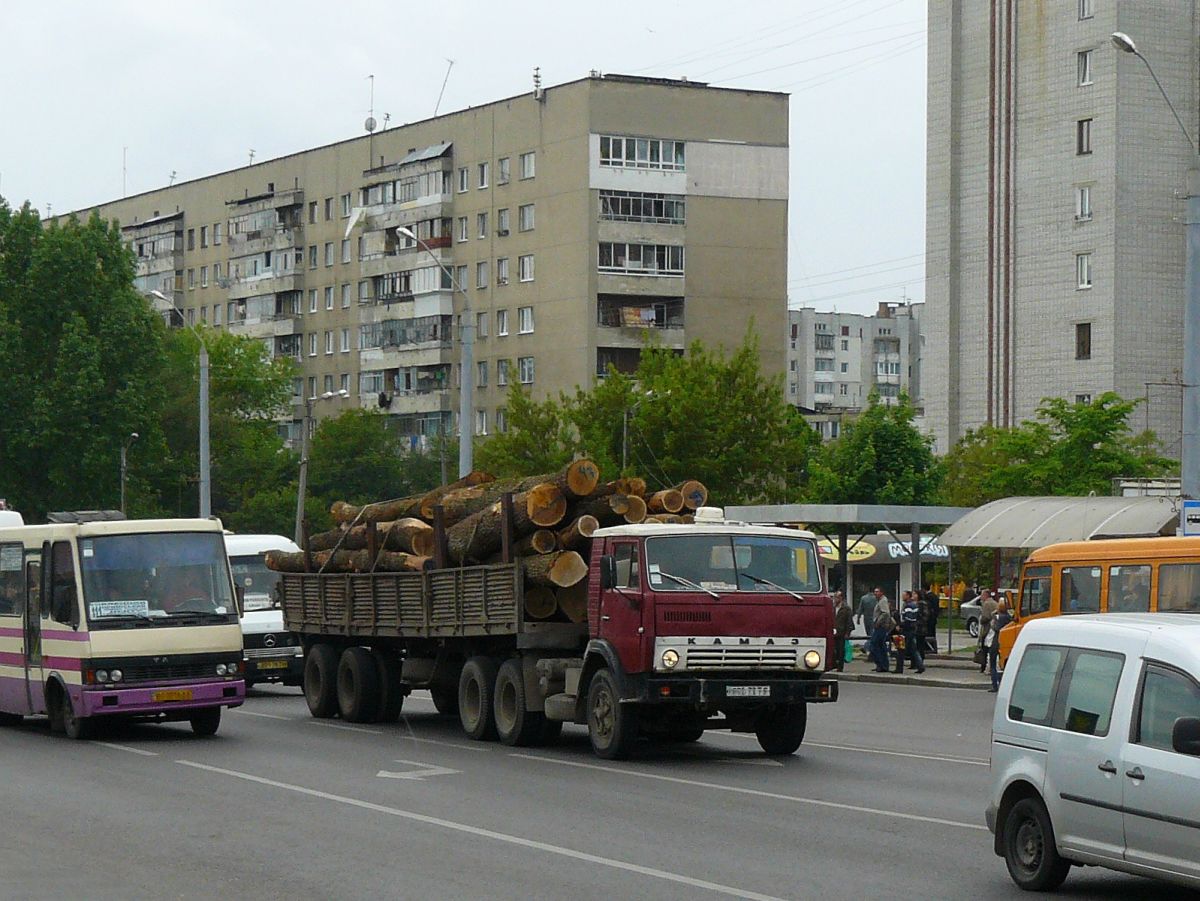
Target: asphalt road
[(885, 799)]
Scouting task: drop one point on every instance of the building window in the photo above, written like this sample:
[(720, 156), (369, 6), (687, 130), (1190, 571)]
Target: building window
[(203, 236), (1083, 137), (843, 389), (641, 259), (1083, 270), (312, 390), (502, 373), (823, 388), (464, 179), (329, 298), (524, 320), (845, 344), (483, 175), (328, 253), (1083, 203), (346, 296), (460, 277), (204, 314), (328, 208), (481, 325), (501, 420), (481, 372), (481, 224), (312, 212), (312, 256), (481, 422), (217, 233), (641, 153), (345, 340), (344, 382), (312, 344), (329, 342), (328, 383), (191, 278), (638, 206), (1085, 9), (501, 323), (481, 274), (203, 276), (525, 267), (345, 250), (312, 300), (527, 165), (364, 291), (502, 271), (525, 217), (1083, 341), (191, 239), (1084, 61), (503, 170), (525, 370), (345, 206), (1083, 398), (217, 314), (464, 233), (502, 222)]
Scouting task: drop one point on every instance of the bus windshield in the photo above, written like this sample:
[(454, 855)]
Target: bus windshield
[(156, 578), (732, 563), (250, 571)]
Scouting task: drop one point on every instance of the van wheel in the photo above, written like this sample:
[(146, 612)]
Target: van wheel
[(476, 686), (357, 686), (1029, 849), (320, 680), (515, 725), (206, 722), (391, 687)]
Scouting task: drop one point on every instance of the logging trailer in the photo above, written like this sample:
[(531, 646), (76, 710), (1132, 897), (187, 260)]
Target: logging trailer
[(684, 628)]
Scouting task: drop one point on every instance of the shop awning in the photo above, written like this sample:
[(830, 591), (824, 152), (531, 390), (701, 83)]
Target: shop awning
[(1030, 522)]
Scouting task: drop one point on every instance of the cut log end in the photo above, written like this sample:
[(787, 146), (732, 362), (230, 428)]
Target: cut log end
[(582, 477), (636, 511), (572, 601), (540, 602), (695, 495), (561, 569), (545, 505), (669, 500)]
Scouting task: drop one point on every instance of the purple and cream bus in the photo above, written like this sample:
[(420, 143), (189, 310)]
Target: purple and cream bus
[(126, 619)]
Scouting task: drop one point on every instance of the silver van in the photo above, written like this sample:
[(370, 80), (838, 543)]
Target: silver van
[(1096, 749)]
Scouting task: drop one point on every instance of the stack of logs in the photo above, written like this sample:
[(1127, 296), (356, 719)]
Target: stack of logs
[(552, 517)]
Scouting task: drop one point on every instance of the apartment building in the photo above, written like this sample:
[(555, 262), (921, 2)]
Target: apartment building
[(835, 361), (571, 224), (1055, 213)]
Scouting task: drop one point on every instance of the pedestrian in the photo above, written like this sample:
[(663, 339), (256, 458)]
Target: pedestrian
[(933, 608), (866, 611), (912, 629), (843, 625), (969, 594), (882, 625), (987, 609), (1000, 619)]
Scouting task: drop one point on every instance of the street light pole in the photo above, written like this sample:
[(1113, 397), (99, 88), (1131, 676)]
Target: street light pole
[(466, 329), (302, 488), (133, 436), (1189, 463), (205, 462)]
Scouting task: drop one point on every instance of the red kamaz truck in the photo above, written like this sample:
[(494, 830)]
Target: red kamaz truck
[(709, 625)]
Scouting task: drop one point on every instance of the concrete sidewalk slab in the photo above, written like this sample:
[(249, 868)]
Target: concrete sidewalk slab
[(938, 674)]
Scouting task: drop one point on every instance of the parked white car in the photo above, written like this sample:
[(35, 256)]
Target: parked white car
[(1096, 749), (272, 654)]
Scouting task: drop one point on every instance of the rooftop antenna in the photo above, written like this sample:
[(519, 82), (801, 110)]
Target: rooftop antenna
[(538, 93), (171, 181), (251, 156), (386, 118), (48, 208), (438, 105), (369, 125)]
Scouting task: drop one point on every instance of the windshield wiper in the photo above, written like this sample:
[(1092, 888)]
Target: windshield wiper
[(771, 584), (689, 583), (133, 619), (195, 615)]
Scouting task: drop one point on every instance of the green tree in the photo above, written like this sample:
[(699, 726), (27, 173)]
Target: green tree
[(539, 437), (880, 458)]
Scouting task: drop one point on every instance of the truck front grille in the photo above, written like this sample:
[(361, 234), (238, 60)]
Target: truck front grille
[(741, 658)]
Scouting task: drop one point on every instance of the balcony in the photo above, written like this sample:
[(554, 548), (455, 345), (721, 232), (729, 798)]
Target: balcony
[(272, 282), (625, 321), (433, 400), (273, 200), (279, 238), (402, 356)]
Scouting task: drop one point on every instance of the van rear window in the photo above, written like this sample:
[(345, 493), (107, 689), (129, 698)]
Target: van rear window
[(1033, 691)]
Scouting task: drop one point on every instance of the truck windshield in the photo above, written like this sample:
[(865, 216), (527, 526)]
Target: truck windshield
[(732, 563), (156, 579), (250, 571)]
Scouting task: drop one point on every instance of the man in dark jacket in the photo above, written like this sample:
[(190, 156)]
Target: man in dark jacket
[(843, 625)]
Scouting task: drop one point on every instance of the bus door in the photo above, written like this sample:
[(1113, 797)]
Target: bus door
[(33, 630)]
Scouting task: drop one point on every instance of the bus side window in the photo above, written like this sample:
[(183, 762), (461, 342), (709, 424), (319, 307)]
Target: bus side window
[(12, 588), (1035, 591), (1128, 589), (33, 586), (63, 596), (1179, 587), (1080, 589)]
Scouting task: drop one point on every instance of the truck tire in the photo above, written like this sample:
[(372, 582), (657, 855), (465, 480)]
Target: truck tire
[(475, 688), (391, 687), (445, 699), (206, 722), (515, 726), (612, 727), (357, 686), (781, 730), (320, 680)]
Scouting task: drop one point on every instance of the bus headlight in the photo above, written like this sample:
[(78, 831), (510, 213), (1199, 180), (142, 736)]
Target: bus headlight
[(116, 675), (670, 658), (101, 675), (221, 669), (812, 659)]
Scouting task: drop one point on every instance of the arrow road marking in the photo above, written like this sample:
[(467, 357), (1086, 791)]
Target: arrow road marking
[(419, 774)]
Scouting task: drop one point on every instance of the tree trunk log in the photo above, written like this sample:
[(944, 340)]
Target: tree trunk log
[(561, 569), (695, 495), (577, 479), (578, 533), (410, 535), (540, 602), (381, 511), (572, 601), (608, 510), (543, 541), (669, 518), (669, 500), (478, 536), (635, 512), (431, 499)]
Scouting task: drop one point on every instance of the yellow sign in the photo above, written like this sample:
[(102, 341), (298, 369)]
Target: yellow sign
[(856, 552)]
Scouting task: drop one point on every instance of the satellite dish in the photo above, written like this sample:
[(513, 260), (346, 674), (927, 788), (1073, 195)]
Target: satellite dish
[(369, 125)]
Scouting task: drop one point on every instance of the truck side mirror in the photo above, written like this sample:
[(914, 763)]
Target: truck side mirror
[(608, 571), (1185, 735)]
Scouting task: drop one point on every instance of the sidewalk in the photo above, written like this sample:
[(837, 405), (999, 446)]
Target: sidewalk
[(940, 672)]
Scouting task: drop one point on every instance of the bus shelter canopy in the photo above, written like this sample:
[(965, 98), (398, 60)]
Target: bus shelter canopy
[(1030, 522)]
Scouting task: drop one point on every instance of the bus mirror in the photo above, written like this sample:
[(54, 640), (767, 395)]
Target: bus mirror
[(608, 571)]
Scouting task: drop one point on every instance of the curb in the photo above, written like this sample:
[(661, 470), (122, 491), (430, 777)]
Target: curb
[(909, 680)]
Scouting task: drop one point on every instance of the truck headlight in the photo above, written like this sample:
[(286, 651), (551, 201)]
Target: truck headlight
[(670, 658), (812, 659)]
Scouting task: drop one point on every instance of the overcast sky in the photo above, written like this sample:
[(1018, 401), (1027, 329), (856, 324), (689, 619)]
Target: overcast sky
[(190, 88)]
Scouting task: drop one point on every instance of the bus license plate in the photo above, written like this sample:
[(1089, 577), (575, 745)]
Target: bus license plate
[(175, 694), (272, 664), (748, 691)]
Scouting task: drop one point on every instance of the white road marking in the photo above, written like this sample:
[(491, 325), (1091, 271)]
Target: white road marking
[(423, 770), (453, 826), (758, 793), (115, 747), (448, 744), (265, 716), (939, 758), (345, 728)]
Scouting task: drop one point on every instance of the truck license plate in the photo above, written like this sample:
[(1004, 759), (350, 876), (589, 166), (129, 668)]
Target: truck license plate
[(748, 691)]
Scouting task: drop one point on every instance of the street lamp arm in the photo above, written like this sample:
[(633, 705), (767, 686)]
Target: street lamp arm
[(1170, 105)]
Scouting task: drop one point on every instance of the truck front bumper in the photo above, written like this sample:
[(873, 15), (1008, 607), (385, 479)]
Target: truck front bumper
[(723, 693)]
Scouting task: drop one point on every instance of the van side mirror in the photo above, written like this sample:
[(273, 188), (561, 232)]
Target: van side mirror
[(608, 571), (1185, 735)]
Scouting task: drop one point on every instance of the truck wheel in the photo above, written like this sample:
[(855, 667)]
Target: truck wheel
[(357, 686), (206, 722), (475, 688), (445, 699), (75, 727), (391, 687), (781, 731), (320, 680), (1029, 848), (612, 727), (515, 725)]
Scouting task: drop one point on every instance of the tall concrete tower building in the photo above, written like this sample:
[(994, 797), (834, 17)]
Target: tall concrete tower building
[(1055, 208)]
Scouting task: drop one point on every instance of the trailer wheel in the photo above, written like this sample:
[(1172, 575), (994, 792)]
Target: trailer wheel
[(391, 687), (781, 730), (320, 680), (357, 686), (206, 722), (445, 699), (612, 727), (515, 725), (475, 689)]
